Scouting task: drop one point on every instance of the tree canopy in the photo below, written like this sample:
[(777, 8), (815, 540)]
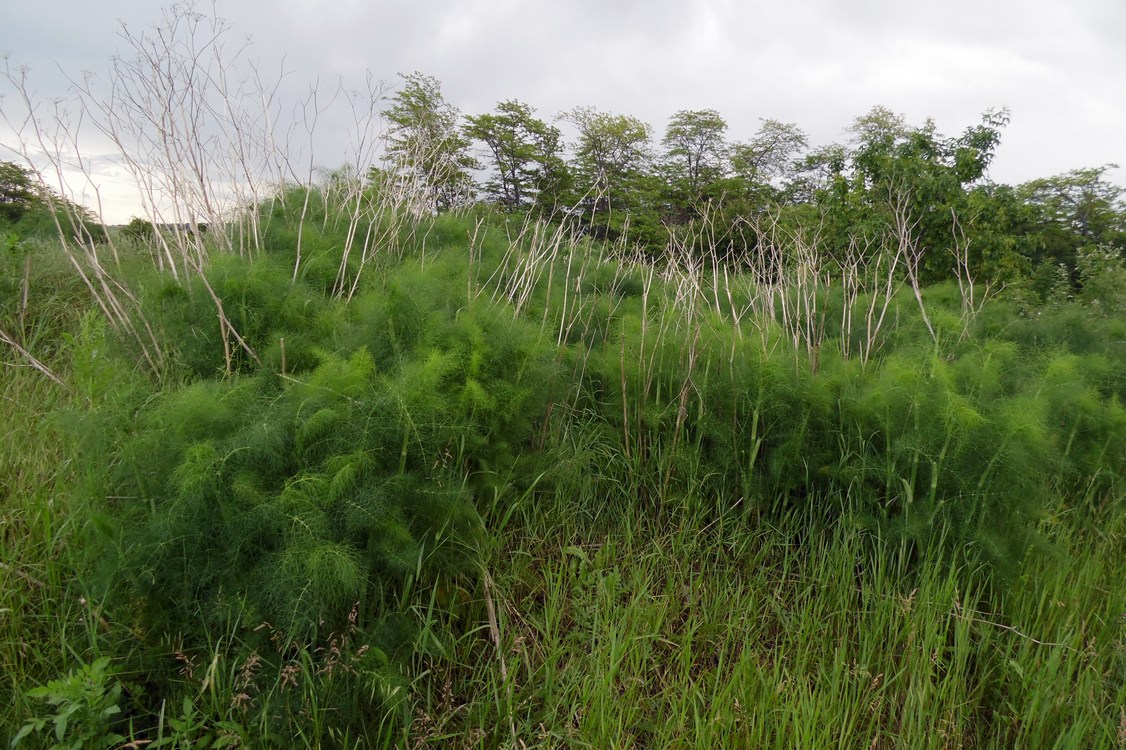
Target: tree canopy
[(425, 145), (19, 191), (525, 157)]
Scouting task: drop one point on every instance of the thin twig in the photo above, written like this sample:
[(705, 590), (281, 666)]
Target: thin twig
[(31, 359), (1013, 630), (26, 576), (494, 633)]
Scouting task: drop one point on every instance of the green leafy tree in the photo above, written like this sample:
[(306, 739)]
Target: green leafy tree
[(425, 145), (33, 209), (1076, 209), (768, 163), (525, 156), (1004, 237), (821, 170), (19, 191), (890, 154), (139, 230), (910, 180), (611, 165), (695, 153)]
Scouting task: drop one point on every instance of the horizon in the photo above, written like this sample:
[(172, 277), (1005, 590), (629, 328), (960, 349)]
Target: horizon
[(811, 64)]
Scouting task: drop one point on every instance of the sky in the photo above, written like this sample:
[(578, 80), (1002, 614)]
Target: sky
[(1060, 67)]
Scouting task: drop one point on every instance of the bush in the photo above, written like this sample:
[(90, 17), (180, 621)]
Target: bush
[(84, 703)]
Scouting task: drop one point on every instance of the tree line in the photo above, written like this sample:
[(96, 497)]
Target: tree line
[(618, 182), (696, 188)]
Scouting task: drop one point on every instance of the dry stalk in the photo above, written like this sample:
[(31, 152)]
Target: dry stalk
[(494, 634), (38, 365), (684, 271), (311, 111), (53, 139), (870, 269), (904, 228), (791, 276), (200, 130), (686, 388), (35, 582), (971, 302), (532, 253)]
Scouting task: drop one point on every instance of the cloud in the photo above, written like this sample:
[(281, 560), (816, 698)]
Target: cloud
[(819, 63)]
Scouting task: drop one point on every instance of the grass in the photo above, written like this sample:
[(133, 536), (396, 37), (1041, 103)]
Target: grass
[(41, 615), (624, 595), (46, 623), (619, 630)]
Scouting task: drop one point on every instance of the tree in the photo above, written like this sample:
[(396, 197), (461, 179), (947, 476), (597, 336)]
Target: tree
[(768, 163), (1075, 212), (887, 150), (913, 180), (38, 211), (425, 147), (696, 153), (525, 155), (19, 191), (818, 172), (1081, 203), (611, 163), (1003, 234), (139, 230)]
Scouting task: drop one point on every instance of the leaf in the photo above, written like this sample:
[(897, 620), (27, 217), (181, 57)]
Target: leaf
[(34, 725), (576, 552), (316, 428), (345, 470)]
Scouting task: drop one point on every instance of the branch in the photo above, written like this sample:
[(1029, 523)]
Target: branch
[(31, 359)]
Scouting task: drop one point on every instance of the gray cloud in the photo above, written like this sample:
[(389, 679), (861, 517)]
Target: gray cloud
[(819, 63)]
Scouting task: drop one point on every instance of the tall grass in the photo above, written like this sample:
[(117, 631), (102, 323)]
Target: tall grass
[(509, 488), (620, 629), (339, 472), (46, 623)]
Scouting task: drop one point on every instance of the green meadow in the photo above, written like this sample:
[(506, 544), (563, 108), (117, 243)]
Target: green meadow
[(518, 491), (755, 447)]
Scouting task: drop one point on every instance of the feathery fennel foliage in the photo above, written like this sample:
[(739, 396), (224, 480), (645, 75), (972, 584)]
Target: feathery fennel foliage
[(343, 486)]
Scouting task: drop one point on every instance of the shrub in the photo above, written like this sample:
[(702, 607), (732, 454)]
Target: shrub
[(84, 705)]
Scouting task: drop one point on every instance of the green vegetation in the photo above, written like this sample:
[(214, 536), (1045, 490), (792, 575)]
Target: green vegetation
[(520, 490), (737, 445)]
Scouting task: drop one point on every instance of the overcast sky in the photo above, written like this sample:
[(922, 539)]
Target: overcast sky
[(1059, 65)]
